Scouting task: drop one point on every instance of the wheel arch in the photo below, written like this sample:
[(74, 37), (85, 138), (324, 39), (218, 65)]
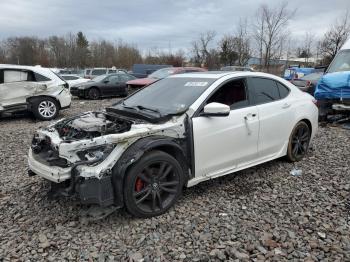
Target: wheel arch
[(309, 124), (134, 152), (30, 100)]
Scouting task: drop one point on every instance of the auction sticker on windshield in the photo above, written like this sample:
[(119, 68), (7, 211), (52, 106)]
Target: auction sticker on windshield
[(196, 83)]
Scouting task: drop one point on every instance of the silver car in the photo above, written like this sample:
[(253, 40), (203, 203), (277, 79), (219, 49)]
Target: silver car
[(32, 88)]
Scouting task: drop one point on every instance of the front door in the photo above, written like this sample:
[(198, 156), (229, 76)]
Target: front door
[(223, 144)]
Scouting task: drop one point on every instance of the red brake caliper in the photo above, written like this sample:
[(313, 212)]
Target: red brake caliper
[(139, 184)]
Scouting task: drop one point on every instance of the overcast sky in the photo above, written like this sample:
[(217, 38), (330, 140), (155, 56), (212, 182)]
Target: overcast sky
[(150, 23)]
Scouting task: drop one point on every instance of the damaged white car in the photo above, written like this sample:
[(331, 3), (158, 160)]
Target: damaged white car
[(182, 130), (32, 88)]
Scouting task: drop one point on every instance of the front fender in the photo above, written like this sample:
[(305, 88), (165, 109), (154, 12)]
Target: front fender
[(132, 155)]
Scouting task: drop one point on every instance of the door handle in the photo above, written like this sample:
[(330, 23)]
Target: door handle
[(286, 105), (249, 115)]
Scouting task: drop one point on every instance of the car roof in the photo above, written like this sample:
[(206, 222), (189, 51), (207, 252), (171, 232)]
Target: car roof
[(220, 74), (38, 69)]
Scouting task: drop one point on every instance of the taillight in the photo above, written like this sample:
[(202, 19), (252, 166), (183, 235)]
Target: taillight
[(308, 83)]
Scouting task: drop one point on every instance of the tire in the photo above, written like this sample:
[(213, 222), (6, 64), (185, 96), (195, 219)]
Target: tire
[(298, 142), (153, 184), (94, 93), (45, 108)]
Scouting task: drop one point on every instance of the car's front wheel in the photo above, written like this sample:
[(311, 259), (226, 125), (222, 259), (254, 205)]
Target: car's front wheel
[(45, 108), (153, 184), (299, 142)]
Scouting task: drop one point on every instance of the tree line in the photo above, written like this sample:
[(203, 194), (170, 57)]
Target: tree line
[(266, 35)]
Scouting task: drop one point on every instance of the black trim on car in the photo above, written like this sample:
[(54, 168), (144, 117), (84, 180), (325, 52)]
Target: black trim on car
[(200, 108)]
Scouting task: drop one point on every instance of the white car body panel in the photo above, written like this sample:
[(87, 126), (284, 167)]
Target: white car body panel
[(222, 145), (18, 92)]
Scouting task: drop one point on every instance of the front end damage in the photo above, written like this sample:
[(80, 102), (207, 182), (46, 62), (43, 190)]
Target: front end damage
[(88, 155)]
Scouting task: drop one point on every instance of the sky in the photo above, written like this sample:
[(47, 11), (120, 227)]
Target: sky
[(163, 24)]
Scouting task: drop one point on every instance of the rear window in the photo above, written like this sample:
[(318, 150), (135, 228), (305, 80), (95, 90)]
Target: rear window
[(41, 78), (98, 72), (11, 76), (70, 77), (263, 90), (283, 90)]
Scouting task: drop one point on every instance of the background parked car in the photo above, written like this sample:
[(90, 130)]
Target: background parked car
[(87, 72), (143, 70), (308, 83), (32, 88), (104, 71), (73, 80), (160, 74), (236, 68), (103, 86)]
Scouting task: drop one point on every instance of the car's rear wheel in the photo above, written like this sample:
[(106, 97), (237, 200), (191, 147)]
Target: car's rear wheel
[(299, 142), (94, 93), (153, 184), (45, 108)]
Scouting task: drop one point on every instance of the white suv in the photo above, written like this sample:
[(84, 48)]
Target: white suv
[(32, 88)]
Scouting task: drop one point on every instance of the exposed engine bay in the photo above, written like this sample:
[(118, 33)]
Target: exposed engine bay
[(91, 125)]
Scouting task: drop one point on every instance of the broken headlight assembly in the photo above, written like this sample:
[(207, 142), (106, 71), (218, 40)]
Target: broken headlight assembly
[(96, 154)]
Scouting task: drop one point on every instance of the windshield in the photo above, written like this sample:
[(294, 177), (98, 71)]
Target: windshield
[(162, 73), (170, 95), (341, 62), (99, 78)]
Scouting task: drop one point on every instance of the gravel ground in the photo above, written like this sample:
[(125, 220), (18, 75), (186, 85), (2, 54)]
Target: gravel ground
[(262, 213)]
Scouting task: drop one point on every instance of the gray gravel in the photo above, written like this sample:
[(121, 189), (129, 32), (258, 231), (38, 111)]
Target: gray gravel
[(262, 213)]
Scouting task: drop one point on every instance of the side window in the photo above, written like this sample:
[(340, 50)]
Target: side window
[(263, 90), (124, 78), (98, 72), (113, 79), (283, 90), (232, 94), (11, 76), (41, 78)]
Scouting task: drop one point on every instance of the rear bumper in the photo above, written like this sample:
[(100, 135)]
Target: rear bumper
[(64, 98)]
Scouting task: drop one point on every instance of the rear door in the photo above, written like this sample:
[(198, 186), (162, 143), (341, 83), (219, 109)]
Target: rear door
[(275, 114), (16, 86)]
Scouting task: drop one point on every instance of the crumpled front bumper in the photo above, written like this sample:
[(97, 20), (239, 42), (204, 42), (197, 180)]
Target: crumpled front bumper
[(53, 173), (90, 191)]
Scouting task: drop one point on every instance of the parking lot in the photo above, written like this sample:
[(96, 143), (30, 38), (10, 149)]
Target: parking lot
[(263, 213)]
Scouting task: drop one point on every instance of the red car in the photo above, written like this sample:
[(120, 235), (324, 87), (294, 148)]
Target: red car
[(160, 74)]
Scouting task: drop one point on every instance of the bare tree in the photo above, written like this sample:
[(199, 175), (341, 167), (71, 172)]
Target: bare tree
[(334, 38), (202, 53), (228, 54), (270, 30), (243, 42)]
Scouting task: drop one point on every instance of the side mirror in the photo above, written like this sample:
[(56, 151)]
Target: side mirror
[(216, 109)]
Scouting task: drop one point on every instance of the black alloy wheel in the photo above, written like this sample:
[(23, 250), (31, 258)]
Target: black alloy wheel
[(153, 184), (299, 142)]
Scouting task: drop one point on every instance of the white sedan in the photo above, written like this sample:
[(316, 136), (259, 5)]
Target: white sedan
[(74, 80), (177, 132)]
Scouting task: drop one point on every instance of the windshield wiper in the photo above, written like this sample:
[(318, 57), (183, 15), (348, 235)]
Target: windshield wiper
[(148, 109), (139, 107)]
